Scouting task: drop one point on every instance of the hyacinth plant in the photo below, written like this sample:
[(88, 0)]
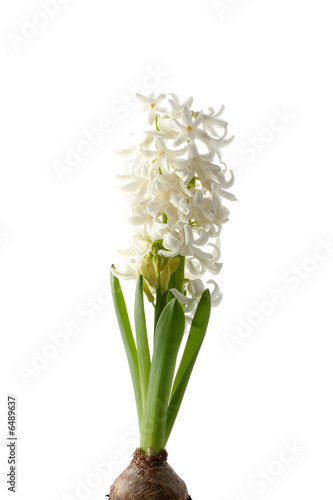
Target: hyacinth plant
[(175, 182)]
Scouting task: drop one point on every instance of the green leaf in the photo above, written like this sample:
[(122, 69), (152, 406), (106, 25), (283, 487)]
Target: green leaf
[(128, 340), (191, 351), (160, 305), (168, 336), (142, 340)]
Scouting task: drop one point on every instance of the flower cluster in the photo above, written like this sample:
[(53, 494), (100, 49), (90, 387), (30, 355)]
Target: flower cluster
[(175, 182)]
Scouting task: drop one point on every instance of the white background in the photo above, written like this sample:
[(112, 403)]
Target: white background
[(59, 236)]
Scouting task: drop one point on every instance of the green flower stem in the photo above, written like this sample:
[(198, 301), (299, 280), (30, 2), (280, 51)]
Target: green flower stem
[(177, 280), (158, 300), (156, 126), (179, 275)]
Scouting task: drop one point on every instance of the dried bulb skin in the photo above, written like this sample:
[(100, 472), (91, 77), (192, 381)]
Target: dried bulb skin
[(149, 478)]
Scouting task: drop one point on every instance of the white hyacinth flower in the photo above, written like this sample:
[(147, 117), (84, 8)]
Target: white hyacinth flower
[(175, 183), (151, 104)]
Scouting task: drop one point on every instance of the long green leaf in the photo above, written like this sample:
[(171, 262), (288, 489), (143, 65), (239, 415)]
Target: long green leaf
[(142, 340), (166, 297), (168, 337), (191, 351), (128, 340)]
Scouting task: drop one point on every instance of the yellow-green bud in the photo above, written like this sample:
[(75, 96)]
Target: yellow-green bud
[(148, 293), (155, 258), (148, 272), (164, 261), (174, 263), (156, 246), (165, 278)]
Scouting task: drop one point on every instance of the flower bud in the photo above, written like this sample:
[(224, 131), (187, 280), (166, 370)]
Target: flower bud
[(174, 263), (163, 261), (165, 278), (148, 272), (155, 258), (147, 291), (156, 246)]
